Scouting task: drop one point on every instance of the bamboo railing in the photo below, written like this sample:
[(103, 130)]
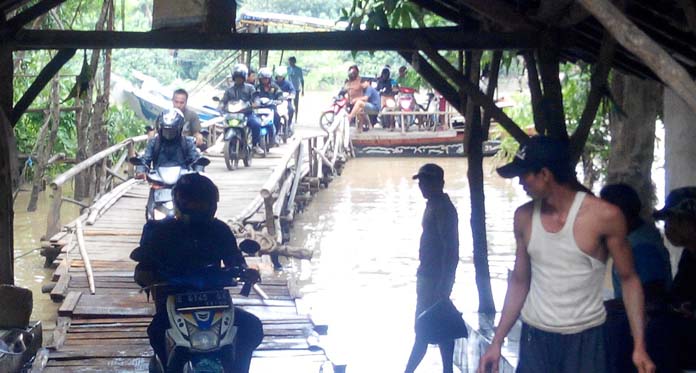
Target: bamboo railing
[(127, 147)]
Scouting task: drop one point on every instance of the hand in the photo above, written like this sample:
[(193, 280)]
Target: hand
[(642, 361), (140, 176), (489, 361)]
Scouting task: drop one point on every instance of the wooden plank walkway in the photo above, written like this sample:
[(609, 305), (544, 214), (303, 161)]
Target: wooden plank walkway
[(107, 331)]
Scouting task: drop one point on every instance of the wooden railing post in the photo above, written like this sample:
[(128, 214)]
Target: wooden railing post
[(131, 153), (53, 218)]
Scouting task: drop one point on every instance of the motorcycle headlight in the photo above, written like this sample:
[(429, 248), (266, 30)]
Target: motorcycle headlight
[(204, 341)]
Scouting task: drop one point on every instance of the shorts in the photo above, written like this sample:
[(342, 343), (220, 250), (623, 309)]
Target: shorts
[(546, 352), (371, 109)]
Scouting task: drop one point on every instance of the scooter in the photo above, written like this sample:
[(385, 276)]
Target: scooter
[(284, 132), (162, 179), (202, 336), (237, 136), (265, 112), (327, 117)]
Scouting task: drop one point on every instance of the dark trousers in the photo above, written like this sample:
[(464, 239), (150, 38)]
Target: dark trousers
[(249, 336), (659, 338), (296, 101), (545, 352)]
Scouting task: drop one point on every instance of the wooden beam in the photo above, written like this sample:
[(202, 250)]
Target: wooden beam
[(552, 102), (6, 202), (639, 43), (598, 86), (46, 74), (441, 38), (17, 22), (502, 13), (535, 92), (493, 74), (474, 93)]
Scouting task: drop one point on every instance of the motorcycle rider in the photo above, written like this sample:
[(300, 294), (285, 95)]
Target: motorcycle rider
[(192, 243), (287, 87), (169, 147), (243, 91), (268, 89)]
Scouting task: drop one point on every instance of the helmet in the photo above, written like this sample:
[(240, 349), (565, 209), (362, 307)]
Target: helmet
[(386, 71), (240, 71), (195, 198), (170, 123), (265, 72), (281, 71)]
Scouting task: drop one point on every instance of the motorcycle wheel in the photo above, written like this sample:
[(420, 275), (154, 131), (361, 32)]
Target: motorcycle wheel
[(150, 206), (326, 120), (284, 130), (248, 152), (230, 160), (263, 143)]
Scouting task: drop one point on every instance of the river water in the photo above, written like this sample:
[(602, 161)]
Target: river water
[(365, 230)]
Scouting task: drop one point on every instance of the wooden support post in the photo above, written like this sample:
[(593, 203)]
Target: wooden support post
[(299, 161), (131, 153), (639, 43), (6, 168), (53, 217), (552, 103), (28, 15)]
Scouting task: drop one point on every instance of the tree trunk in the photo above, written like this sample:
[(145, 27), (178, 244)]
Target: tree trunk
[(44, 147), (478, 206), (633, 135)]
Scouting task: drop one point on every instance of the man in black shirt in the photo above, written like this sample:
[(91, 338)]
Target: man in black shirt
[(679, 214), (439, 256), (193, 243)]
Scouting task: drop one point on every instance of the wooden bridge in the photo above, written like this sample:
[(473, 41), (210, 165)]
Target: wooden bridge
[(101, 324)]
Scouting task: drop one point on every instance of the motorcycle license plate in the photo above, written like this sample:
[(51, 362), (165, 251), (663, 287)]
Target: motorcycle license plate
[(163, 195), (217, 299)]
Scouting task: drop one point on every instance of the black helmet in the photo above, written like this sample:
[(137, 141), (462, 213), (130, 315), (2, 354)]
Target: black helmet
[(240, 71), (195, 198), (170, 123)]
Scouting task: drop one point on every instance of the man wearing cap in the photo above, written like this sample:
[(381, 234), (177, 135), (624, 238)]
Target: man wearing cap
[(679, 214), (438, 255), (564, 238)]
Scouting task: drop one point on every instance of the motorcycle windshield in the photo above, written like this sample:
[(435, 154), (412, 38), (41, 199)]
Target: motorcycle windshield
[(169, 175), (263, 111)]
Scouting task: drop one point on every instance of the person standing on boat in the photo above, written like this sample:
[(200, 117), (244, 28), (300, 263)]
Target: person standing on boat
[(296, 77), (438, 255), (564, 238)]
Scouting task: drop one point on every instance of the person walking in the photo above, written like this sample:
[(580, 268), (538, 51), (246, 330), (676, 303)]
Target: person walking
[(296, 77), (564, 237), (438, 255)]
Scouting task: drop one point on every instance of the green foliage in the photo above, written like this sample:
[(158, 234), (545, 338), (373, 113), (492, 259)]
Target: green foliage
[(122, 123), (309, 8)]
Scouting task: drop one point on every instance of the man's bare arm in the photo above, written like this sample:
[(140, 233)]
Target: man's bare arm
[(620, 251)]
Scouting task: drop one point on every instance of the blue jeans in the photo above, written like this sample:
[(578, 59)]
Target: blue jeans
[(254, 123)]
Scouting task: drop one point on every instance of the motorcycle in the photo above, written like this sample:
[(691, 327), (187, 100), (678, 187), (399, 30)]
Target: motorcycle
[(284, 132), (202, 336), (406, 104), (237, 136), (327, 117), (265, 111), (162, 179)]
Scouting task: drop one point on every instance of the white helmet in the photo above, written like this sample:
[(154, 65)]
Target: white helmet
[(281, 71)]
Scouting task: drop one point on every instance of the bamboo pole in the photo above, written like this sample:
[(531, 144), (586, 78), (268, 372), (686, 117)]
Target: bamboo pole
[(85, 258)]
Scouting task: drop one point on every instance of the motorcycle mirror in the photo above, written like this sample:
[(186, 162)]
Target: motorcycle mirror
[(216, 98), (136, 161), (249, 246), (202, 161)]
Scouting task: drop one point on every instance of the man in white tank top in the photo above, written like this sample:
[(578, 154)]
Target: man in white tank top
[(564, 238)]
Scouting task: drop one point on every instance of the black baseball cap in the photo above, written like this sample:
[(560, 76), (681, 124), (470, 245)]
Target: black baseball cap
[(430, 171), (680, 201), (538, 152)]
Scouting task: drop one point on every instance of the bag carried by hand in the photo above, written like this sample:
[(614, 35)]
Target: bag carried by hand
[(440, 322)]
